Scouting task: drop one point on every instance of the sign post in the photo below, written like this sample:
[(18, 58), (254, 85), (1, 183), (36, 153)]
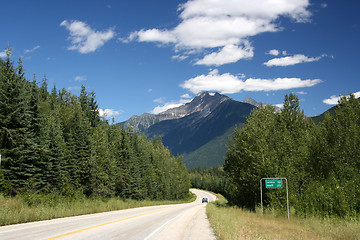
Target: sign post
[(274, 183)]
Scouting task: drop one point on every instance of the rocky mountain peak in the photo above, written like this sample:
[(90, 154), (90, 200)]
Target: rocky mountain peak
[(203, 102), (251, 101)]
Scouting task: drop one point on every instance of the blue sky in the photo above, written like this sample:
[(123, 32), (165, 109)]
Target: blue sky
[(146, 56)]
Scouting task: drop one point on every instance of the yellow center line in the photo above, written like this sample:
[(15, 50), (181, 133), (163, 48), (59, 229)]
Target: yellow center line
[(103, 224)]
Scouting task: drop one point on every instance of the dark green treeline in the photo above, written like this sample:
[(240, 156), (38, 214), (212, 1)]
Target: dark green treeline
[(57, 143), (321, 162), (212, 179)]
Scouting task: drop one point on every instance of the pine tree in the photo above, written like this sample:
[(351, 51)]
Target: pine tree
[(53, 144), (44, 89), (89, 106), (34, 146), (103, 165), (73, 132), (14, 114), (81, 145)]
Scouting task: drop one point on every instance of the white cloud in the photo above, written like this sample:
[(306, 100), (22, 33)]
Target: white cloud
[(84, 39), (185, 96), (229, 54), (31, 50), (3, 54), (228, 84), (218, 31), (107, 113), (154, 35), (274, 52), (169, 105), (280, 105), (333, 100), (179, 57), (159, 100), (301, 93), (165, 107), (269, 9), (222, 27), (80, 78), (292, 60), (252, 84)]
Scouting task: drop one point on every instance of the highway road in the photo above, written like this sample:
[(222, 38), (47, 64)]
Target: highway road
[(170, 222)]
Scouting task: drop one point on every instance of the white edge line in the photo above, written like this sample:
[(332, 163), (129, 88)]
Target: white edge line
[(159, 228)]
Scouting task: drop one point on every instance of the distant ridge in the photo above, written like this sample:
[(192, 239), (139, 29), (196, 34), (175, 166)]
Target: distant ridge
[(320, 118), (215, 115), (202, 101), (251, 101), (207, 121)]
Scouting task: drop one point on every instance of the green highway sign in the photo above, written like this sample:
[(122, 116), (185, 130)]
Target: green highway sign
[(273, 183)]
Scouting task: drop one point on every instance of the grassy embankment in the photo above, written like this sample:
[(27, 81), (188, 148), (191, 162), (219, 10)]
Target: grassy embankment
[(29, 208), (230, 223)]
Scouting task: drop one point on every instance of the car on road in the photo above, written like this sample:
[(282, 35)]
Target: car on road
[(204, 200)]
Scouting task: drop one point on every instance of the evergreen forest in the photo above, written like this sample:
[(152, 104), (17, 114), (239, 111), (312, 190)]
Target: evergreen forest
[(56, 143)]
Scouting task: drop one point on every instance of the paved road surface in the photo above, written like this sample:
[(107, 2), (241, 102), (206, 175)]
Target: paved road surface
[(170, 222)]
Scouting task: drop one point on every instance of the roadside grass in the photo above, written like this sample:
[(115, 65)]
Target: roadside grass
[(37, 207), (232, 223)]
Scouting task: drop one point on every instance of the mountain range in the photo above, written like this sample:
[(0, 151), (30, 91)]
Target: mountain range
[(198, 130)]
